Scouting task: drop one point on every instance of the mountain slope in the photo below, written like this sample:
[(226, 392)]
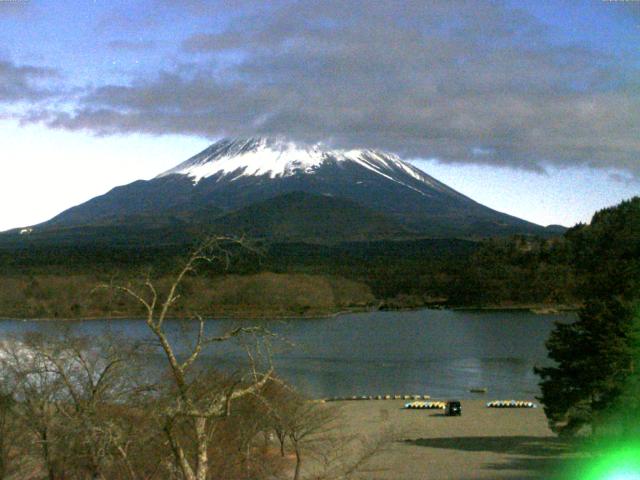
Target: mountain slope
[(303, 216), (392, 197)]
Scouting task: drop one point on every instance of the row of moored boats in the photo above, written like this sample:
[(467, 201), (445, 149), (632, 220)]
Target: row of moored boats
[(494, 404)]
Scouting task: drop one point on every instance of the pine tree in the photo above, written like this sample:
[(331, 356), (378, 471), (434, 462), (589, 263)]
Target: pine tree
[(593, 361), (597, 357)]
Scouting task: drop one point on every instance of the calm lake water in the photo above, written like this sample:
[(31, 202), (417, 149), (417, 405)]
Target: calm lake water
[(442, 353)]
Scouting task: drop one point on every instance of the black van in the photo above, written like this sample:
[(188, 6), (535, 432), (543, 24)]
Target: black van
[(453, 408)]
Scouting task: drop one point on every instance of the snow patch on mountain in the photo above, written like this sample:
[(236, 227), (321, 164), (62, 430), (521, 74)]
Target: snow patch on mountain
[(276, 157), (252, 157)]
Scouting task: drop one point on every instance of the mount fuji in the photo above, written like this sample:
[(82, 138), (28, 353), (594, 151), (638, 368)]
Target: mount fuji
[(275, 188)]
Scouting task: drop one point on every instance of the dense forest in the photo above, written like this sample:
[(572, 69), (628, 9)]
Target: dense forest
[(49, 280)]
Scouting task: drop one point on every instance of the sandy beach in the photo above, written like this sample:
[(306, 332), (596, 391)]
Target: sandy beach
[(483, 443)]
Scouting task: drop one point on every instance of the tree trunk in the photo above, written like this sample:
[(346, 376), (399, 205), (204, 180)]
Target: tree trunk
[(201, 437), (127, 463), (296, 475), (281, 438), (247, 460), (46, 454), (178, 453)]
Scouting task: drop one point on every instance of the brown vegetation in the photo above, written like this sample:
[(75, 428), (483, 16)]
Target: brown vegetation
[(79, 408), (263, 294)]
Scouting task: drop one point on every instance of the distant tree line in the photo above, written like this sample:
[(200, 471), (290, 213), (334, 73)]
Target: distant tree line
[(43, 281), (501, 272)]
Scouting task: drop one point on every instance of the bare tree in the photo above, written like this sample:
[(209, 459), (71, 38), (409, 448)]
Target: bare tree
[(304, 423), (36, 392), (66, 390), (92, 377), (7, 411), (337, 464), (187, 403)]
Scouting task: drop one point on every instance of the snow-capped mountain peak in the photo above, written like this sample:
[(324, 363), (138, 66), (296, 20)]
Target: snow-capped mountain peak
[(254, 156), (277, 157)]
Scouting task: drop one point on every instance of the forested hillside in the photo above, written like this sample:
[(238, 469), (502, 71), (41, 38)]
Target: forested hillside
[(49, 280)]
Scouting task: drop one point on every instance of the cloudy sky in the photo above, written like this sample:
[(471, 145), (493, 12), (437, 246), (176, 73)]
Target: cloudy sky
[(530, 107)]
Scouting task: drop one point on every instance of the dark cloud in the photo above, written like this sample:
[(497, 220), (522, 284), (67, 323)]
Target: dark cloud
[(24, 82), (462, 81)]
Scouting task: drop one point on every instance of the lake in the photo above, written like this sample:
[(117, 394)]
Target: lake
[(442, 353)]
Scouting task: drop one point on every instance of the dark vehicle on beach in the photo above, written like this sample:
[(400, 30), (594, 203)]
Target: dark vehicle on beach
[(453, 408)]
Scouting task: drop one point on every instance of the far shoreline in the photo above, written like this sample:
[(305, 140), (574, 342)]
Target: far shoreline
[(538, 309)]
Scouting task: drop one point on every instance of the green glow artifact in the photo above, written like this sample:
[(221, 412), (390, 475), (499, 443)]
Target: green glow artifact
[(616, 462)]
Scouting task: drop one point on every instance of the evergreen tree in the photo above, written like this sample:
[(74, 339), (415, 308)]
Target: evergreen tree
[(596, 358), (593, 359), (627, 409)]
